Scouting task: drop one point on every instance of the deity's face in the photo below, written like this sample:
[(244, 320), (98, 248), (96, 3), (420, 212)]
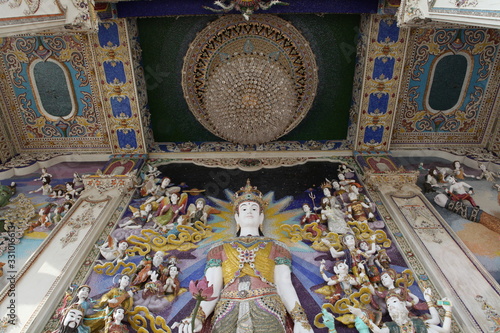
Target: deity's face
[(165, 182), (325, 201), (354, 189), (119, 314), (326, 192), (249, 214), (482, 167), (341, 176), (200, 204), (124, 281), (336, 185), (364, 246), (83, 293), (173, 271), (174, 198), (73, 318), (158, 258), (456, 164), (341, 268), (387, 280), (452, 180), (122, 246), (306, 208), (349, 240), (397, 310)]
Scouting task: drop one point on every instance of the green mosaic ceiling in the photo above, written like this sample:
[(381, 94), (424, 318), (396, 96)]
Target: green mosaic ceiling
[(164, 42)]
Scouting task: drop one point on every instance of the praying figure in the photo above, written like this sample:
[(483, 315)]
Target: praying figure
[(402, 322)]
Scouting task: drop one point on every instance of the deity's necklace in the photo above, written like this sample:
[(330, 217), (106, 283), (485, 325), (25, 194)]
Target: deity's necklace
[(248, 256)]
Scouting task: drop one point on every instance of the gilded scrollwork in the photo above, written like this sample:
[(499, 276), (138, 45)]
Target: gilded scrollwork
[(140, 317)]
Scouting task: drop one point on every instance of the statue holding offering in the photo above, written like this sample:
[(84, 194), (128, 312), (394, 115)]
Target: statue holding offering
[(250, 275)]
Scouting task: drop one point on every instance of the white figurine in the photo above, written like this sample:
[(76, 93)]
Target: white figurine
[(396, 305)]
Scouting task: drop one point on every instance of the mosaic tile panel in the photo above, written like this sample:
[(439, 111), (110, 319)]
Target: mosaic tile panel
[(6, 150), (115, 73), (495, 142), (385, 45), (31, 99), (470, 121), (222, 146), (220, 175)]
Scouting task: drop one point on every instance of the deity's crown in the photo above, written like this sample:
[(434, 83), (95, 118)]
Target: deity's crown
[(83, 286), (326, 185), (400, 294), (391, 272), (74, 306), (248, 193)]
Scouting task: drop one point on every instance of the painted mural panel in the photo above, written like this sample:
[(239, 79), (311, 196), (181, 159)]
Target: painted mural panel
[(26, 87), (172, 223), (6, 149), (37, 207), (478, 227), (435, 112)]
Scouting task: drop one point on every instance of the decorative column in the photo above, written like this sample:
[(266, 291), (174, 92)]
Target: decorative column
[(117, 81), (382, 76)]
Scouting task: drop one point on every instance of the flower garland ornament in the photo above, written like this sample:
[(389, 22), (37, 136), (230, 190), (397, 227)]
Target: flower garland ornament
[(201, 291), (246, 7)]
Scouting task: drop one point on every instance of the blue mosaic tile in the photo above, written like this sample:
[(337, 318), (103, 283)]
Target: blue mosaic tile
[(378, 101), (383, 68), (120, 105), (127, 138), (388, 31), (373, 134), (114, 71), (108, 35)]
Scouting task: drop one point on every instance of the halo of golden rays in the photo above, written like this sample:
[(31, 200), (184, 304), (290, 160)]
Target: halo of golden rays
[(224, 224)]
